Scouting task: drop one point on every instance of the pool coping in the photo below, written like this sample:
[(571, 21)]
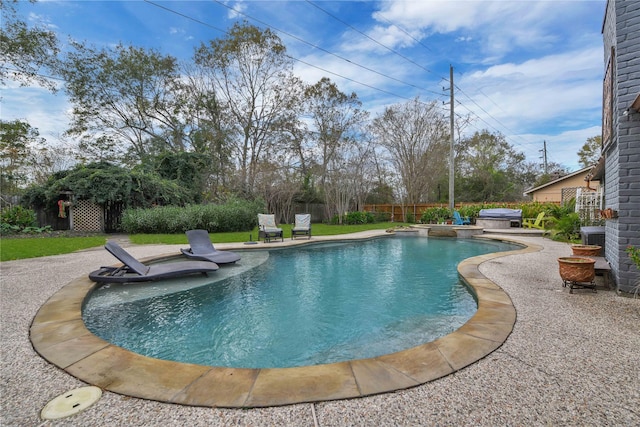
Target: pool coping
[(59, 335)]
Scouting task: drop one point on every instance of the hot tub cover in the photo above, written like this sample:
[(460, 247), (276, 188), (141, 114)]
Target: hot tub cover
[(501, 213)]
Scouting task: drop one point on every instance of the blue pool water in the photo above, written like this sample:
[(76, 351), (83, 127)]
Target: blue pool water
[(309, 305)]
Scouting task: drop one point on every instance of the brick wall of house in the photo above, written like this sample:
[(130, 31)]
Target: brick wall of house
[(621, 32)]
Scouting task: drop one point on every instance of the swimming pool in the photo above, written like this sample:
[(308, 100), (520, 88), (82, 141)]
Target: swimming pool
[(302, 306)]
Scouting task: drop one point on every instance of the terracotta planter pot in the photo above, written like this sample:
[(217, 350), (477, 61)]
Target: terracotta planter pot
[(586, 250), (577, 269)]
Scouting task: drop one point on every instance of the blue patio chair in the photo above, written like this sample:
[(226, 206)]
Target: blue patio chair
[(458, 220)]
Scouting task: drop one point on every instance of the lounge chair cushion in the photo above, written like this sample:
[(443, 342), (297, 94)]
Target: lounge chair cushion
[(268, 228), (302, 225)]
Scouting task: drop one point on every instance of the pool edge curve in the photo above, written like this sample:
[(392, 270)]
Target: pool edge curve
[(59, 335)]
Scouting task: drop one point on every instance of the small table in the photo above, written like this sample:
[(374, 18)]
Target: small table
[(602, 267)]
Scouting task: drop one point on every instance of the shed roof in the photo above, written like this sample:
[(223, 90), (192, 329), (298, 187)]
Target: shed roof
[(555, 181)]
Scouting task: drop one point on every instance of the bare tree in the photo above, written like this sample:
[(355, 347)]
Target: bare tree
[(334, 129), (338, 191), (416, 136), (210, 128), (364, 171), (253, 76), (278, 185), (47, 159), (336, 120), (349, 179)]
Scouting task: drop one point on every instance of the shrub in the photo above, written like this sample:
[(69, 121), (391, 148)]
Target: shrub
[(381, 216), (435, 214), (634, 255), (567, 227), (533, 209), (8, 228), (37, 230), (17, 218), (560, 211), (352, 218), (471, 211), (235, 215)]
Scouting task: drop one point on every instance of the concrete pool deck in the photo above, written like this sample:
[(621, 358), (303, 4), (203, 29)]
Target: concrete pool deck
[(571, 359)]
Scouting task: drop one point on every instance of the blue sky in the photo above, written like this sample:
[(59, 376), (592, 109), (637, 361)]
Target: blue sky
[(531, 70)]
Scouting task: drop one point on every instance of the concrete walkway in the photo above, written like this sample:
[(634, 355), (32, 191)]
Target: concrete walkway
[(572, 359)]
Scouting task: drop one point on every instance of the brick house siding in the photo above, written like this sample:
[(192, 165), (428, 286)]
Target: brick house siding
[(621, 39)]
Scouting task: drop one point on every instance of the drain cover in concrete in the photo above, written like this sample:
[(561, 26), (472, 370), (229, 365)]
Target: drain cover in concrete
[(71, 403)]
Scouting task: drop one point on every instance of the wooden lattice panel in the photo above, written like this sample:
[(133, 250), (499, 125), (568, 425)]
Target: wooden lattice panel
[(87, 216), (569, 193)]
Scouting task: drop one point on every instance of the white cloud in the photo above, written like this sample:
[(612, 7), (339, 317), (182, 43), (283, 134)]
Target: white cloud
[(498, 27), (534, 68), (40, 108), (237, 8), (379, 39), (558, 94), (540, 89)]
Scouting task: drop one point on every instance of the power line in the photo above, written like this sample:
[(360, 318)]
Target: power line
[(322, 49), (186, 16), (486, 123), (342, 58), (292, 57), (28, 73), (492, 117), (349, 79), (406, 32), (367, 36), (411, 61)]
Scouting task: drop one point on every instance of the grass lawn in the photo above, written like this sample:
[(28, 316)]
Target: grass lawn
[(244, 236), (32, 247)]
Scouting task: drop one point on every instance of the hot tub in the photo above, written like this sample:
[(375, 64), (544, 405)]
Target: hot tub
[(499, 218)]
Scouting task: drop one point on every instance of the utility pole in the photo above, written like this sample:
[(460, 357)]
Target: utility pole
[(451, 152), (544, 158)]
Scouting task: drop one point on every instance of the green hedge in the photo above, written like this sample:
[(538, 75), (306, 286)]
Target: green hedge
[(357, 217), (529, 210), (236, 215)]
